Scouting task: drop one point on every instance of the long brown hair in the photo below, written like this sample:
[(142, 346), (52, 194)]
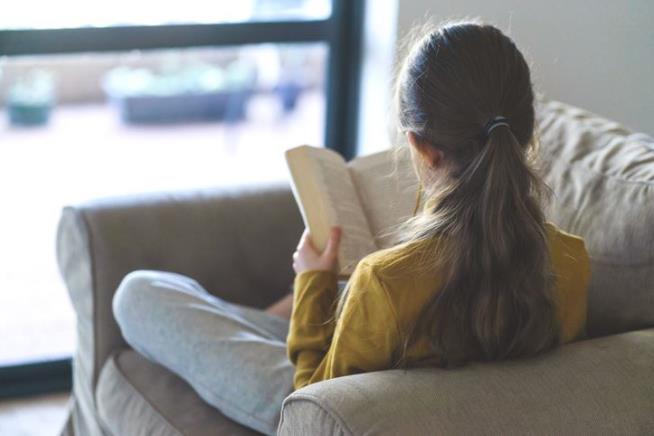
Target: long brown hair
[(495, 301)]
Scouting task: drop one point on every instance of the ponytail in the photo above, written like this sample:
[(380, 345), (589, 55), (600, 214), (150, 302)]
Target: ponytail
[(496, 299), (490, 241)]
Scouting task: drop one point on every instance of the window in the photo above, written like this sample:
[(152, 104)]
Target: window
[(167, 98), (129, 13)]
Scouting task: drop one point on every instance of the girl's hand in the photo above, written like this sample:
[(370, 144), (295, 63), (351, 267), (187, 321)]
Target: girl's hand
[(306, 257)]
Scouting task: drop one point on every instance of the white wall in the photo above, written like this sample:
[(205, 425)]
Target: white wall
[(598, 55), (377, 75)]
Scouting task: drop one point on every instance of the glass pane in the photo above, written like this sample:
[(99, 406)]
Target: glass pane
[(54, 15), (78, 127)]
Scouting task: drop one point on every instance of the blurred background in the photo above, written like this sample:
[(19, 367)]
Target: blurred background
[(114, 98)]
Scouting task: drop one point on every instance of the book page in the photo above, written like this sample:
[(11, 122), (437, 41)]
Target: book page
[(324, 189), (387, 192)]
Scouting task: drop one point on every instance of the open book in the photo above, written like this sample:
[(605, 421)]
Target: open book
[(368, 197)]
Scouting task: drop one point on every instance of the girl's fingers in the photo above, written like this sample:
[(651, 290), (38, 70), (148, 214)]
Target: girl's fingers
[(307, 245), (305, 242), (331, 250), (303, 238)]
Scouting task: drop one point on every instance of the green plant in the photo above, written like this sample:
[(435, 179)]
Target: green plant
[(34, 89)]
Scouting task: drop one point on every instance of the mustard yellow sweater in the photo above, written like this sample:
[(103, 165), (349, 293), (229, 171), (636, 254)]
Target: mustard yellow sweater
[(384, 301)]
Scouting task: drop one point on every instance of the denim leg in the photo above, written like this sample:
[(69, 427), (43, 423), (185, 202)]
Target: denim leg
[(233, 356)]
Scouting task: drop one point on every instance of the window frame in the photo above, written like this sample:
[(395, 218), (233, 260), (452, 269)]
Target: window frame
[(342, 32)]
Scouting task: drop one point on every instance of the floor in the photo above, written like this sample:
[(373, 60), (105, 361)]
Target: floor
[(86, 152), (33, 416)]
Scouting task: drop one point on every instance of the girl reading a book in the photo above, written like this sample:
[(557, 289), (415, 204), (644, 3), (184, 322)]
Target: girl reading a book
[(477, 275)]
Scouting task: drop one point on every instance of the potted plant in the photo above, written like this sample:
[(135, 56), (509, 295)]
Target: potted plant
[(30, 100), (190, 93)]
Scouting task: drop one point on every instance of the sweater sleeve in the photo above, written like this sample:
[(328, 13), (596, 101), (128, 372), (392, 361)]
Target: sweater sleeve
[(363, 338)]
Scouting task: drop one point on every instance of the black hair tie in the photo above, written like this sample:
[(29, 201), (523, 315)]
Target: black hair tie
[(495, 122)]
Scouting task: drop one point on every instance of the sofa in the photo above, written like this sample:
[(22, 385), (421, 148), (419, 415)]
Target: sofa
[(237, 242)]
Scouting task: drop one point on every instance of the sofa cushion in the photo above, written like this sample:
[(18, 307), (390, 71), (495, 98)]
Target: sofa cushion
[(598, 386), (135, 396), (602, 176)]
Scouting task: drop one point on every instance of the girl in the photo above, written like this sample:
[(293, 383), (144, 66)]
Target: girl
[(478, 275)]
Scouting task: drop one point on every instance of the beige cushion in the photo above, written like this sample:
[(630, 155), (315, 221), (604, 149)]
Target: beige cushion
[(603, 180), (602, 386), (137, 397)]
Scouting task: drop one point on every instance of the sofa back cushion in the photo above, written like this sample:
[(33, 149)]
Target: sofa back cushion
[(602, 176)]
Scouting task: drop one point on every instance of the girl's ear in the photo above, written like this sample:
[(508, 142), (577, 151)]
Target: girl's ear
[(432, 156)]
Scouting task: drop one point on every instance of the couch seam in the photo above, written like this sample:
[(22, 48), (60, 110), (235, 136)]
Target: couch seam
[(230, 404), (89, 244), (313, 399), (114, 360)]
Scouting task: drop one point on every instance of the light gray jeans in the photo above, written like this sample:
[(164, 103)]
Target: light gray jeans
[(233, 356)]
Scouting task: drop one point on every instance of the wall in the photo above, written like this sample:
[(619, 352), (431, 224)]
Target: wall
[(377, 75), (598, 55)]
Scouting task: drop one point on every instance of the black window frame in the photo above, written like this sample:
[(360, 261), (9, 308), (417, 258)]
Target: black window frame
[(342, 31)]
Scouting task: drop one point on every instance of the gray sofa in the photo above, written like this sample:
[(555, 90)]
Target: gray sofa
[(238, 242)]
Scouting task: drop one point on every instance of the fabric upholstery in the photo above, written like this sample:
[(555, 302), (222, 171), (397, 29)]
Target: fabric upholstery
[(237, 242), (599, 386), (138, 397), (602, 176)]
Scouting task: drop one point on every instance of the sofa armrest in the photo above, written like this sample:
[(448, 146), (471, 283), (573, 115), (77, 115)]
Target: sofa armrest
[(237, 242), (599, 386)]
